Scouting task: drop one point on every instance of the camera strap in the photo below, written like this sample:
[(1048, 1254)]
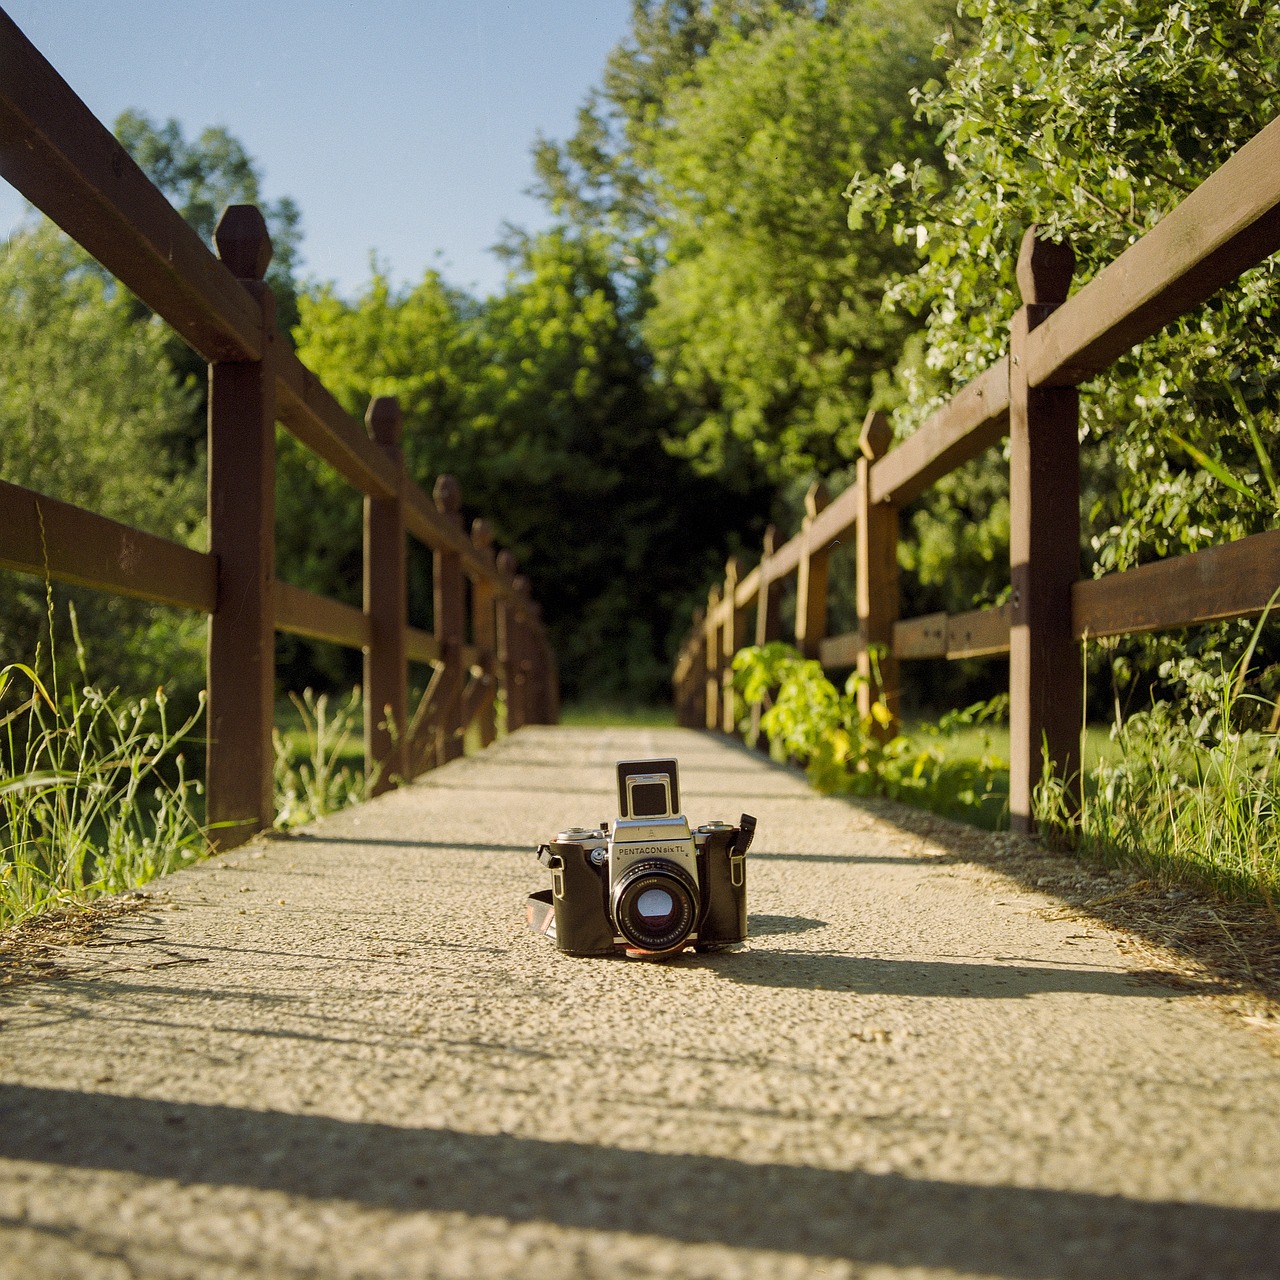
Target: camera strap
[(540, 913)]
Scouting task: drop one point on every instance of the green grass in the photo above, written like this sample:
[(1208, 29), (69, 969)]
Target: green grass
[(94, 796), (973, 741), (612, 715)]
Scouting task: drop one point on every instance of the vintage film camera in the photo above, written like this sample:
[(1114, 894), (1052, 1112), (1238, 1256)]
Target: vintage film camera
[(644, 884)]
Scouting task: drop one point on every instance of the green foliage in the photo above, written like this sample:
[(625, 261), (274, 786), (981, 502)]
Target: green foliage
[(767, 326), (87, 401), (202, 177), (94, 794), (1093, 120), (537, 401), (807, 719)]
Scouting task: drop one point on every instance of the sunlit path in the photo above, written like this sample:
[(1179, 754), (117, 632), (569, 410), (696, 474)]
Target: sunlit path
[(343, 1054)]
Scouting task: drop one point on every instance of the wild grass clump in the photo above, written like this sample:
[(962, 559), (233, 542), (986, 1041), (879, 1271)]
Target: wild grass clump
[(94, 795), (314, 769), (1193, 791)]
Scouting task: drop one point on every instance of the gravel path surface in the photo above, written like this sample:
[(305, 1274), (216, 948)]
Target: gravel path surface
[(343, 1055)]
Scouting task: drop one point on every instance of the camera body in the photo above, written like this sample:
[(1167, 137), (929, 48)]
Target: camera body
[(645, 884)]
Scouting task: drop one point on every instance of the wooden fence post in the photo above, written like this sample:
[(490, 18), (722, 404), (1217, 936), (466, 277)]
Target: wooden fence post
[(811, 586), (769, 597), (526, 643), (715, 658), (510, 646), (450, 622), (242, 486), (484, 630), (1045, 697), (877, 579), (386, 667), (692, 693), (733, 637)]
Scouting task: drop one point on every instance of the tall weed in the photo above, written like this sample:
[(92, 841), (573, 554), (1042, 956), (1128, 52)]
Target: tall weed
[(313, 776), (1194, 792), (94, 795)]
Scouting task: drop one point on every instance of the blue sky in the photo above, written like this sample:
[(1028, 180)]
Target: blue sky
[(401, 127)]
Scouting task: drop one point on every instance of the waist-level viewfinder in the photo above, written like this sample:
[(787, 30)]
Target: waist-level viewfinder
[(648, 789)]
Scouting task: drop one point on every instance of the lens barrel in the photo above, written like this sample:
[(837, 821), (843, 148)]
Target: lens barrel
[(655, 905)]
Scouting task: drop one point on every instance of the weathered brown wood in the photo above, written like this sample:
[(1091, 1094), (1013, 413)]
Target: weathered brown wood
[(786, 559), (1235, 580), (732, 638), (511, 643), (421, 646), (980, 633), (922, 637), (484, 629), (54, 151), (690, 677), (242, 538), (811, 586), (437, 705), (714, 652), (769, 596), (839, 653), (974, 419), (835, 522), (426, 523), (450, 614), (1229, 223), (46, 537), (876, 539), (303, 613), (386, 606), (1045, 699), (310, 414)]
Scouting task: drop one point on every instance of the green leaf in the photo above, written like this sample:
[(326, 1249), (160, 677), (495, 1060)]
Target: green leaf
[(1216, 470)]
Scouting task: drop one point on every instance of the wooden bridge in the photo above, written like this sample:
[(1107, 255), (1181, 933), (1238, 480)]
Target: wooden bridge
[(341, 1053)]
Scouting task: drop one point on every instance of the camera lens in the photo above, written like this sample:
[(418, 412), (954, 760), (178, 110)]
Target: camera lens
[(655, 907)]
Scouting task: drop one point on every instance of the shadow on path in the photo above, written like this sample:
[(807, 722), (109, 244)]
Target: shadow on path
[(836, 971), (867, 1218)]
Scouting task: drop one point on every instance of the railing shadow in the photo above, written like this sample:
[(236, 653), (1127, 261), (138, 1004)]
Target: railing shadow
[(867, 1218)]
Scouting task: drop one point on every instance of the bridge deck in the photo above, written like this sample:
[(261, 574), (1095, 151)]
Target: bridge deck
[(343, 1055)]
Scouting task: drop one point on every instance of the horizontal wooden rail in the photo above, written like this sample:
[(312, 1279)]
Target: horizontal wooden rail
[(974, 419), (427, 525), (979, 633), (57, 154), (66, 163), (1234, 580), (923, 637), (308, 411), (43, 536), (303, 613), (421, 646), (841, 651), (1229, 223)]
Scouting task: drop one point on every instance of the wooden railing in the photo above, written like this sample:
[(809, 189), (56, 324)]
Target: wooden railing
[(1227, 225), (58, 155)]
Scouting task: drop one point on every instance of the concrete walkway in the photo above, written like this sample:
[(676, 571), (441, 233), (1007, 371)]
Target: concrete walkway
[(342, 1055)]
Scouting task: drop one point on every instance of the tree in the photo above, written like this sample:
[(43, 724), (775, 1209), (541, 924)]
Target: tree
[(1094, 120), (767, 326), (537, 400), (87, 398)]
